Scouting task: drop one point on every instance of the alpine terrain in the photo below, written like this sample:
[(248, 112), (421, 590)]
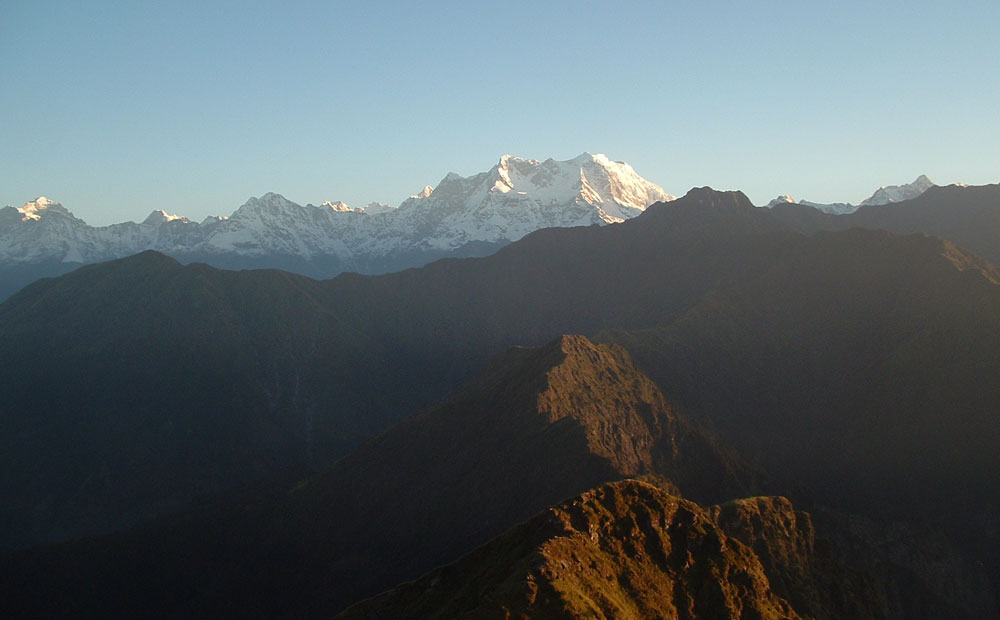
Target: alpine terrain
[(883, 195), (462, 216)]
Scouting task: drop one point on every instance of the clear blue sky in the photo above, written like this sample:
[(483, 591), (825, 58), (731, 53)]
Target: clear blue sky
[(119, 108)]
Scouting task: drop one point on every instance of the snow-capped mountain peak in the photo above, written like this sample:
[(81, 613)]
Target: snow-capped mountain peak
[(160, 216), (340, 206), (594, 179), (35, 209), (376, 208), (269, 201), (898, 193), (883, 195), (513, 198), (780, 200), (517, 196), (428, 190)]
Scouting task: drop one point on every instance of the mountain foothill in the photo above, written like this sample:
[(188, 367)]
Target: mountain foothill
[(706, 409)]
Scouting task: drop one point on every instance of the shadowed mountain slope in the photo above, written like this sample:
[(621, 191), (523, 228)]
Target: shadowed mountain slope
[(859, 363), (538, 426), (145, 370), (967, 216), (133, 386), (804, 342), (875, 373)]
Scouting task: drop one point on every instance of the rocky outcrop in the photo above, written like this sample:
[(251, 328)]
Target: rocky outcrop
[(629, 550)]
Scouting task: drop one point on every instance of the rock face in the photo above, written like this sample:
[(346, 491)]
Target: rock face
[(462, 216), (629, 550)]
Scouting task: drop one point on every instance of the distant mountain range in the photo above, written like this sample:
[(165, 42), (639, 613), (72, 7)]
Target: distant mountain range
[(462, 216), (883, 195), (969, 216)]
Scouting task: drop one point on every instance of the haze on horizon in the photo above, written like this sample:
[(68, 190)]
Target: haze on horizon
[(116, 109)]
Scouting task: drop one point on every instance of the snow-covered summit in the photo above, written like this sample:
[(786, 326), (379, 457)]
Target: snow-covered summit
[(518, 196), (375, 208), (883, 195), (899, 193), (35, 209), (268, 201), (780, 200), (339, 206), (833, 208), (160, 216), (427, 190), (613, 187)]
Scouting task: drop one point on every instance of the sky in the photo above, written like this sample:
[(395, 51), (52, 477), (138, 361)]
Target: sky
[(119, 108)]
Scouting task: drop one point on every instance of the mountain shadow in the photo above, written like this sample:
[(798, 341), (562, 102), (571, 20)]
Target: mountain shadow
[(856, 365), (968, 216), (538, 426), (142, 383)]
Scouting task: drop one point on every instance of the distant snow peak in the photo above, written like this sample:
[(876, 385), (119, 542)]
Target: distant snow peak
[(428, 190), (899, 193), (340, 206), (833, 208), (160, 216), (883, 195), (592, 178), (518, 196), (376, 208), (268, 200), (40, 203), (780, 200), (35, 209)]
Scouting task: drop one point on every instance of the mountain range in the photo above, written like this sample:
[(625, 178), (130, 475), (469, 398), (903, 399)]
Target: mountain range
[(967, 216), (240, 443), (538, 425), (462, 216), (883, 195), (852, 367)]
